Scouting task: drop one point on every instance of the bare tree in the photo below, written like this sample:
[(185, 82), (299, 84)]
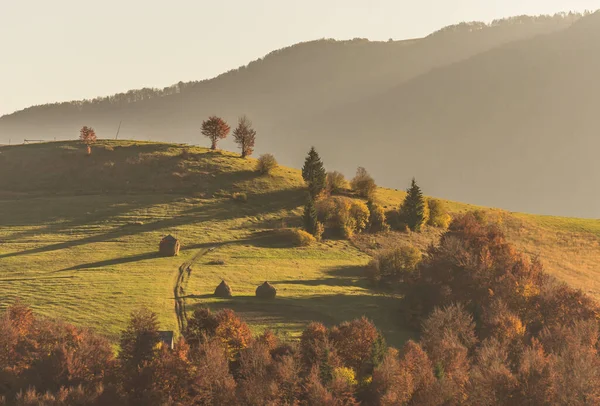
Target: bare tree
[(245, 136)]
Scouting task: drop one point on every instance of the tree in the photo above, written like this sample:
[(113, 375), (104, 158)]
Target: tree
[(377, 219), (87, 135), (215, 128), (139, 347), (336, 182), (244, 135), (266, 164), (310, 216), (313, 173), (412, 211), (363, 183), (438, 214)]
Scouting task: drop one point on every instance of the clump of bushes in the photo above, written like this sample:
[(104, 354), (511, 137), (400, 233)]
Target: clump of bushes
[(363, 184), (216, 262), (377, 219), (343, 216), (336, 182), (266, 164), (438, 214), (395, 265), (296, 237), (240, 197)]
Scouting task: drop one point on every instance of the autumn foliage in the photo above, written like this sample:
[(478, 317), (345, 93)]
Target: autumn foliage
[(215, 128), (494, 330), (87, 135)]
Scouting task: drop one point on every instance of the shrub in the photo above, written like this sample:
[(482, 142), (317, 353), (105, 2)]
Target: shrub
[(377, 219), (394, 265), (240, 197), (438, 214), (363, 184), (266, 164), (336, 182), (360, 213), (343, 216), (296, 237)]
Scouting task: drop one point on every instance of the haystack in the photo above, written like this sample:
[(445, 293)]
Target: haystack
[(169, 246), (223, 290), (266, 291)]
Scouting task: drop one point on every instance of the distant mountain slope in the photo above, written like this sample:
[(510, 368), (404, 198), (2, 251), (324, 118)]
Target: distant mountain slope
[(399, 108), (515, 127)]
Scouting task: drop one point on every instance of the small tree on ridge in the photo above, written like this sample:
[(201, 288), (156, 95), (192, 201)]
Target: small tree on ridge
[(245, 136), (413, 211), (215, 128), (87, 135)]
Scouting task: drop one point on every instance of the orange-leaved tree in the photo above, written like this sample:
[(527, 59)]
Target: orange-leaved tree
[(87, 135), (215, 128), (245, 136)]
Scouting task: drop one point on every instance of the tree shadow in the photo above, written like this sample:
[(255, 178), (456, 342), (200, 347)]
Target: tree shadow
[(297, 313), (221, 209), (342, 276)]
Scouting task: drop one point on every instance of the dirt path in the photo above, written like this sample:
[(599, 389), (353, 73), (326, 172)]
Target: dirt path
[(183, 276)]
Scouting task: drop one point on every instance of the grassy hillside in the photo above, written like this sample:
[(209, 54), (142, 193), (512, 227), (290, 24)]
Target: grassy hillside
[(413, 99), (79, 236)]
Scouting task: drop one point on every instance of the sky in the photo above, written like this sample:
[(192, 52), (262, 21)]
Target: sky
[(64, 50)]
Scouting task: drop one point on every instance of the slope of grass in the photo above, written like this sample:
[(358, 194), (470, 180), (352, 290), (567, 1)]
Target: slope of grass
[(79, 241), (79, 237)]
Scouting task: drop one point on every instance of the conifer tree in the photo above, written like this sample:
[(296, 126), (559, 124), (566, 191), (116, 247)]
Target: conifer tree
[(313, 173), (310, 216), (412, 211)]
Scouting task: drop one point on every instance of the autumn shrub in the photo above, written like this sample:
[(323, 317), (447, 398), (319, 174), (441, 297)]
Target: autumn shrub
[(394, 266), (336, 182), (240, 197), (296, 237), (354, 343), (233, 332), (438, 214), (363, 184), (266, 164), (377, 218), (343, 216)]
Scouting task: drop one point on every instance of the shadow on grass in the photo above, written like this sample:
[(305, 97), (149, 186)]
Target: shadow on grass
[(330, 310), (220, 210), (113, 261), (340, 276)]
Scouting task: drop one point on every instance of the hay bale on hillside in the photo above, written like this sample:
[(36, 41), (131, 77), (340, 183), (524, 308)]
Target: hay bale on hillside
[(266, 291), (169, 246), (223, 290)]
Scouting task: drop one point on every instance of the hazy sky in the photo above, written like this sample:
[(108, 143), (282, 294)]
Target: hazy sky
[(71, 49)]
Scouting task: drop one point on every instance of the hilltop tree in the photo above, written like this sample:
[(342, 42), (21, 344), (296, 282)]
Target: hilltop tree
[(87, 135), (245, 136), (363, 183), (413, 211), (215, 128), (313, 173)]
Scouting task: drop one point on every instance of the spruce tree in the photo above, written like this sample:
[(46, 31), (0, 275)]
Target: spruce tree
[(412, 210), (313, 173), (310, 216)]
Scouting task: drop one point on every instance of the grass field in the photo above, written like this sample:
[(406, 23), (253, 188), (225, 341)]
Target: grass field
[(79, 236)]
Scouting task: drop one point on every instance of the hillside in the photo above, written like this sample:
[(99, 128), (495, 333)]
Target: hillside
[(329, 93), (79, 236)]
